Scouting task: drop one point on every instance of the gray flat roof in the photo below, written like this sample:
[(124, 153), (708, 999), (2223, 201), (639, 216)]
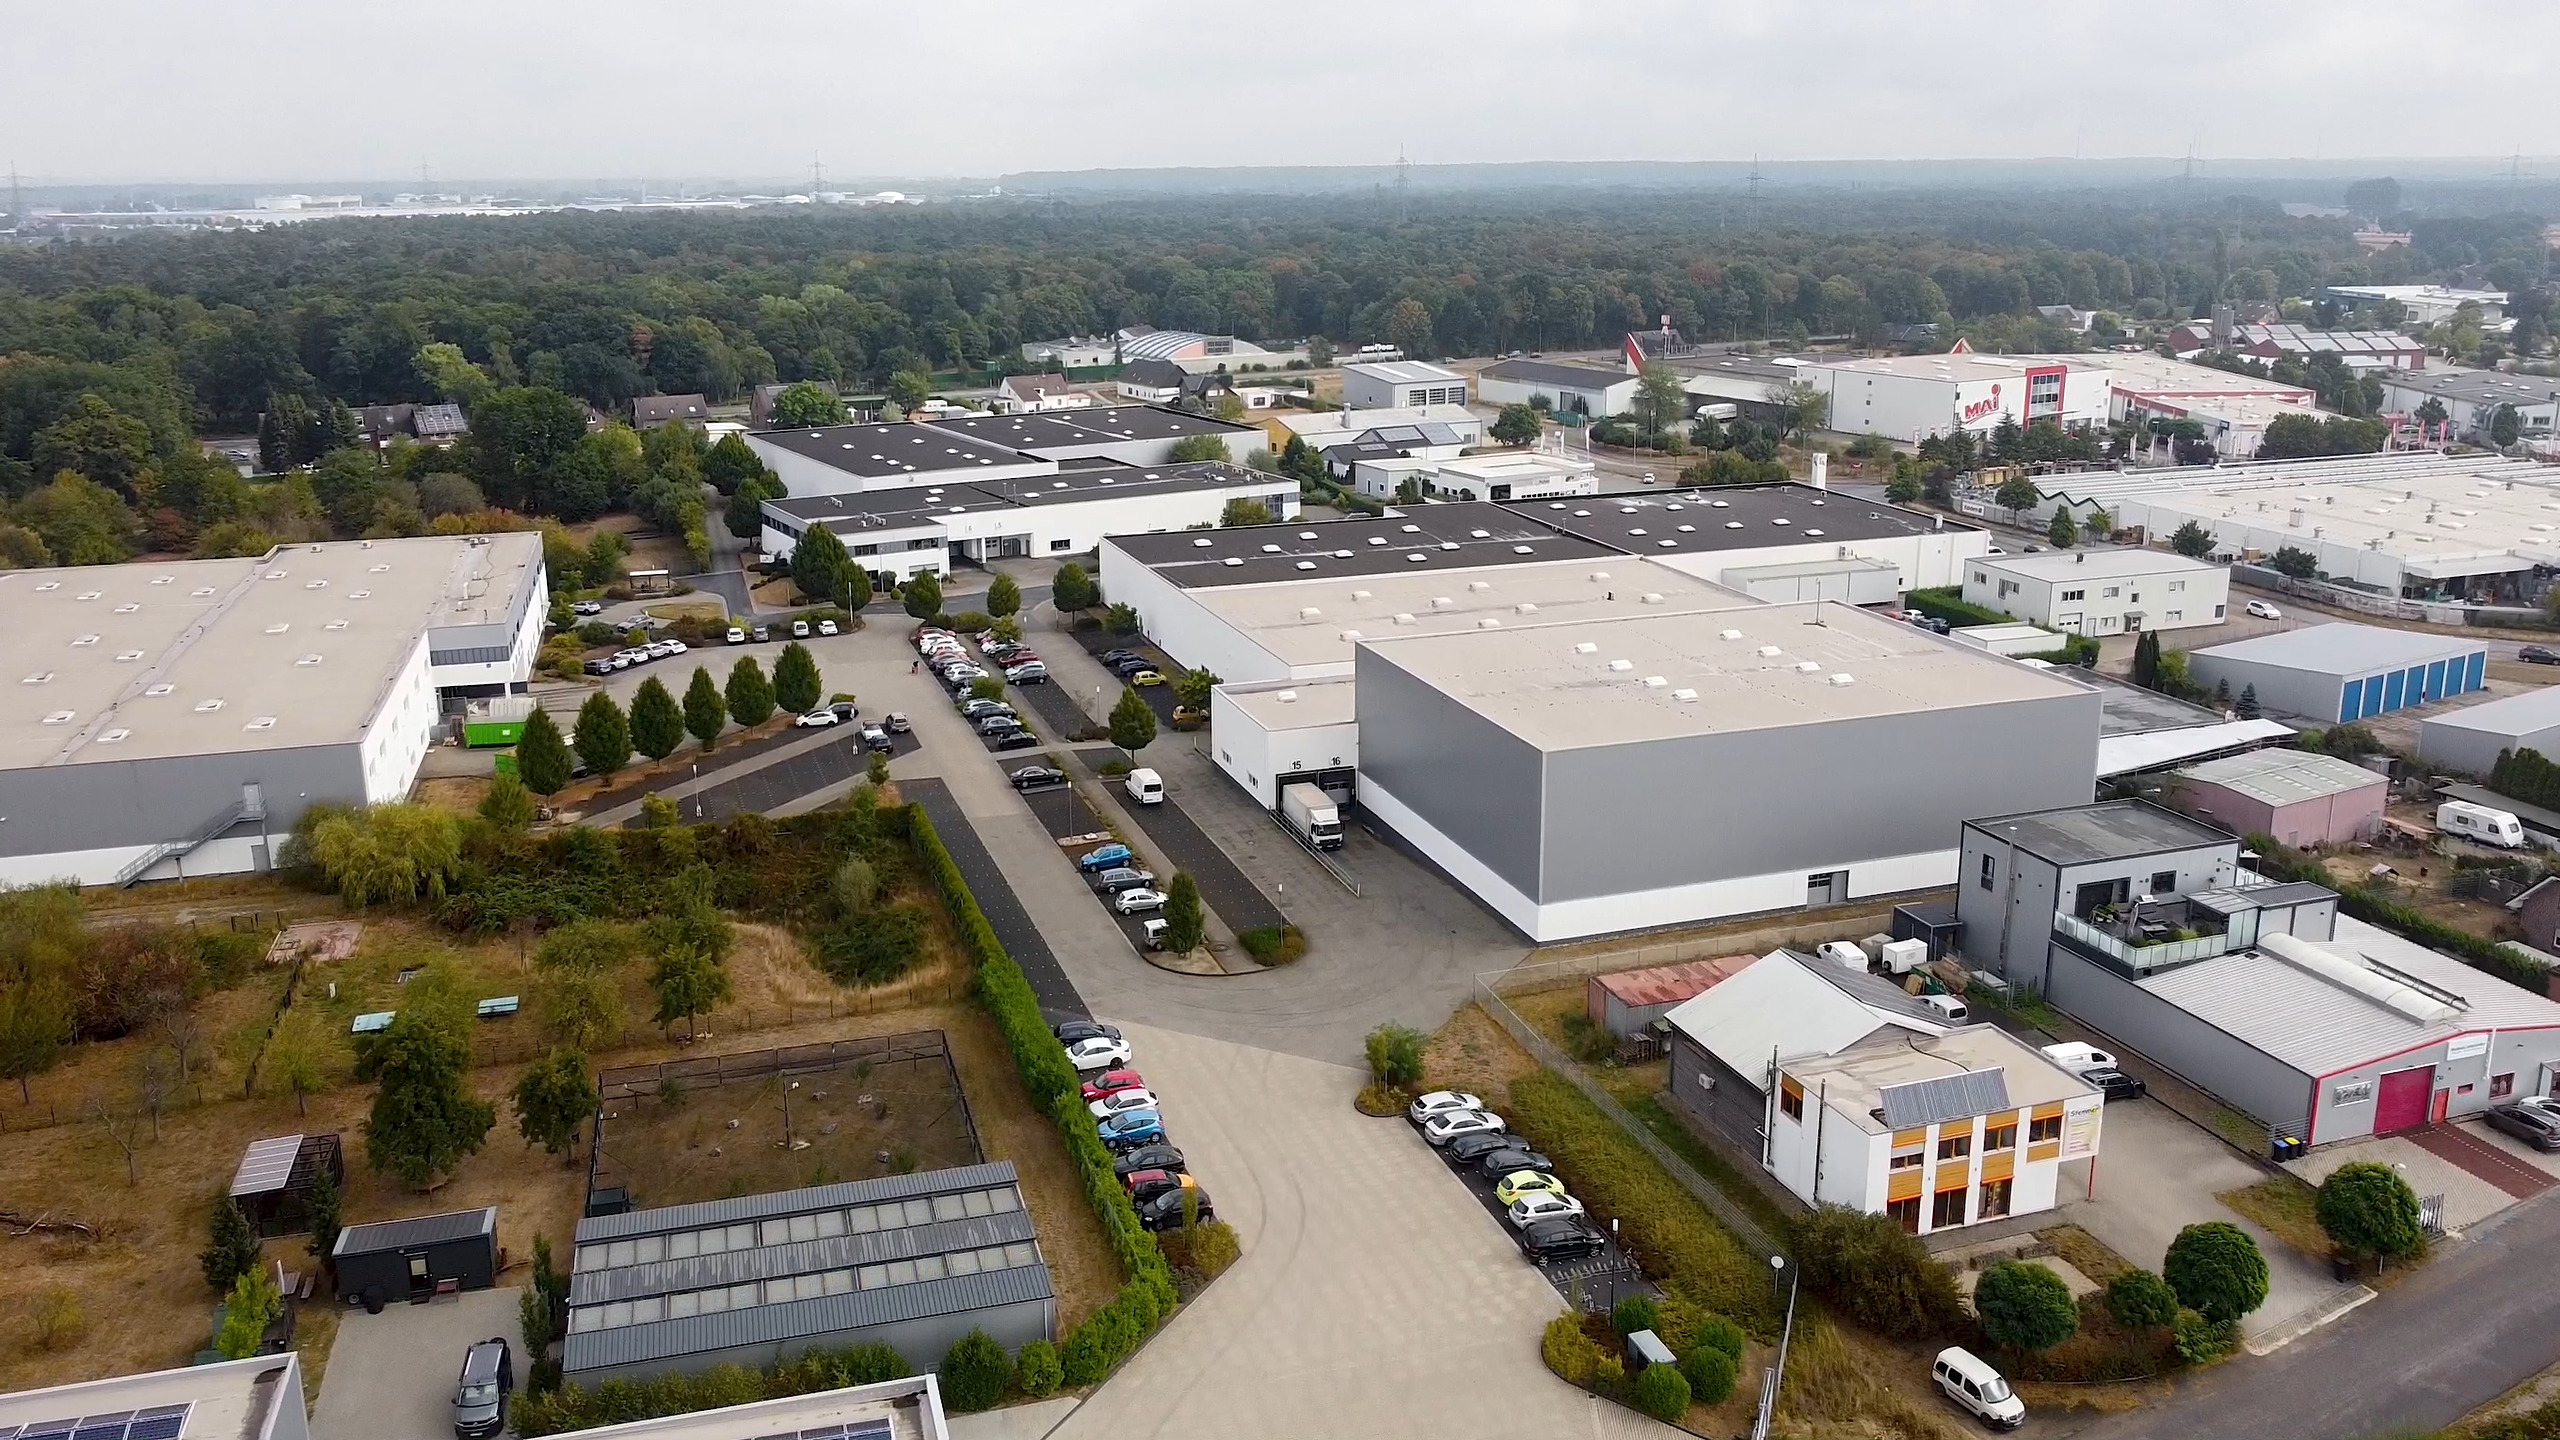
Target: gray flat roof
[(2511, 718), (1403, 372), (1042, 430), (2481, 387), (907, 506), (1548, 372), (2113, 830), (893, 450), (1461, 536), (903, 1409), (2284, 777), (2125, 708), (1732, 517), (2343, 649), (2086, 564)]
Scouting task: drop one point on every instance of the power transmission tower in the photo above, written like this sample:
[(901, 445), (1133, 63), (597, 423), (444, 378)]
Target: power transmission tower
[(1754, 177), (1404, 184), (817, 176)]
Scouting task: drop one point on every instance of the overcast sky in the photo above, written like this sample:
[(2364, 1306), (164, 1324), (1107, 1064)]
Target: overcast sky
[(261, 90)]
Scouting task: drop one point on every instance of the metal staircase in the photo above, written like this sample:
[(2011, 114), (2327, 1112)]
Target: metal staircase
[(141, 864)]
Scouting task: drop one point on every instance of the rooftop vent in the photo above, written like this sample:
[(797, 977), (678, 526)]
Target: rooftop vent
[(207, 707), (1481, 534), (128, 656), (315, 584), (263, 722), (59, 717), (1692, 530), (1416, 558), (1809, 667), (1782, 520), (1599, 575), (1479, 585), (1654, 682), (1684, 694), (1306, 564), (1448, 544), (1815, 533), (1405, 617), (1524, 608), (1489, 622), (1653, 597), (1585, 647), (1287, 697), (1306, 535), (1733, 524), (1350, 635), (1842, 679), (1585, 514), (114, 737), (41, 677), (275, 574), (91, 594), (335, 625), (1310, 612), (199, 592), (1728, 634), (1768, 652), (165, 579), (1522, 550), (1443, 602), (1622, 665), (1413, 529), (1634, 529), (1721, 504), (279, 627), (1377, 539), (1342, 554), (1270, 549), (1232, 560), (86, 640), (127, 609), (1202, 544)]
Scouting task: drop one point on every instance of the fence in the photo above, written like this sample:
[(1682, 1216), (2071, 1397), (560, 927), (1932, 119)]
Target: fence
[(1719, 1204), (2392, 607), (1804, 933)]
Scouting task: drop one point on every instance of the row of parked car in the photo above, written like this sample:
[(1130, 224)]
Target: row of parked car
[(995, 721), (1545, 1218), (943, 651), (1126, 1115), (636, 655)]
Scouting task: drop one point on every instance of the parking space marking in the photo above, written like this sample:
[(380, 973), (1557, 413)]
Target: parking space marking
[(2473, 1155), (1003, 909), (1223, 886)]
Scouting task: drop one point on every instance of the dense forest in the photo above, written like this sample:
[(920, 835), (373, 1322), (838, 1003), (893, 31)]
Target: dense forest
[(115, 354)]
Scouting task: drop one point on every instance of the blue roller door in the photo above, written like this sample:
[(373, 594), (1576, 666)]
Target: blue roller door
[(2479, 662), (2372, 698), (2348, 698), (2435, 680), (2391, 690), (2414, 690)]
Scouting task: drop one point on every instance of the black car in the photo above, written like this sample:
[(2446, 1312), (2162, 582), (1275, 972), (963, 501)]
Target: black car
[(1038, 777), (1512, 1158), (2534, 1120), (2538, 655), (1149, 1157), (1545, 1240), (599, 667), (1071, 1031), (1018, 740), (1126, 668), (1164, 1212), (2113, 1084), (1114, 657), (480, 1396), (845, 709), (1469, 1149)]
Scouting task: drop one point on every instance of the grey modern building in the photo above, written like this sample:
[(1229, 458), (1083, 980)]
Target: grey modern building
[(2469, 739), (2340, 672), (2019, 871), (173, 718), (396, 1261), (913, 1262), (836, 459), (1659, 769)]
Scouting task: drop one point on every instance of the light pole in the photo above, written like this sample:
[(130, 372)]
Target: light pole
[(1776, 1374)]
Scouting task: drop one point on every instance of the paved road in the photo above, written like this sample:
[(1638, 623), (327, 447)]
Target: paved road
[(2472, 1325), (1237, 900), (1013, 926)]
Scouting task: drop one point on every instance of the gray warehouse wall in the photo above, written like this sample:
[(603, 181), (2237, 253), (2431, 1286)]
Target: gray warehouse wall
[(922, 1342), (99, 805), (1656, 814), (1475, 781), (2258, 1083), (2017, 906), (2310, 693)]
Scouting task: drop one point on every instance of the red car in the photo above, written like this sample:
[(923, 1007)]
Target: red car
[(1111, 1082)]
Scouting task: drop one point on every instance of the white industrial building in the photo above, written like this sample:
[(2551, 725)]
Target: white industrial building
[(259, 1398), (2101, 592), (846, 459), (2469, 739), (1739, 536), (175, 718), (1911, 397), (1324, 429), (1584, 389), (1401, 384), (2426, 304), (2472, 399), (2341, 672), (1510, 475), (1269, 733)]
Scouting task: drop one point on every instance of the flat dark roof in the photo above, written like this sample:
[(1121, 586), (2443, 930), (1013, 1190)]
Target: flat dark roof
[(2125, 708), (2116, 829), (892, 449), (1548, 372), (1044, 430), (1731, 517), (1464, 536), (909, 505)]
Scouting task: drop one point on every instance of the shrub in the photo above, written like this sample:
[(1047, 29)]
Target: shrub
[(1273, 944), (2367, 1209), (1035, 1370), (976, 1374), (58, 1321), (231, 1250), (1395, 1054), (2138, 1299), (1663, 1392), (1717, 1333), (2025, 1306), (1207, 1248), (1950, 605), (1634, 1313), (1877, 1273), (2216, 1270), (873, 948), (1710, 1373), (1567, 1351), (2200, 1341)]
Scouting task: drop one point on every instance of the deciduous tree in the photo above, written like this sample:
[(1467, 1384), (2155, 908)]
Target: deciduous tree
[(2192, 540), (1071, 589), (922, 595), (688, 982), (1004, 597), (1516, 425), (1191, 449), (750, 694), (2025, 1306), (555, 1097), (2216, 1270), (796, 686), (806, 404), (2367, 1209), (1244, 512), (1183, 923), (1133, 721), (424, 1118)]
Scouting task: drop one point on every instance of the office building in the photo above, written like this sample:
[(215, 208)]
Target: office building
[(2100, 592)]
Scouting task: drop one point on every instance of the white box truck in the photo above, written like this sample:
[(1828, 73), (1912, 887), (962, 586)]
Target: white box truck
[(2479, 822), (1311, 814)]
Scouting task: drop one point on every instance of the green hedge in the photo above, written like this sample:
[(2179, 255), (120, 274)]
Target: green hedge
[(1108, 1335), (620, 1402), (2525, 775), (1949, 605), (1671, 1234)]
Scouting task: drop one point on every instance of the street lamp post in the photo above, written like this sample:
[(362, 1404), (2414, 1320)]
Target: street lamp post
[(1776, 1374)]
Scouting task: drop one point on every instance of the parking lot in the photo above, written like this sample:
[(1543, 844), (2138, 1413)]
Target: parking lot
[(1078, 827), (391, 1376), (838, 761), (1594, 1282)]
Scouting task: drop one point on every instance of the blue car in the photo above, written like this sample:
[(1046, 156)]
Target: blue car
[(1131, 1129), (1106, 858)]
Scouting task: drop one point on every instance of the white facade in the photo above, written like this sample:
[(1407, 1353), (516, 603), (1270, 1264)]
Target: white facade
[(1061, 527), (2101, 592), (1912, 397), (1324, 429), (2471, 400), (517, 667), (1518, 475), (1929, 561), (803, 476), (1600, 392), (1269, 734), (1384, 478), (1073, 352), (401, 731), (1401, 384)]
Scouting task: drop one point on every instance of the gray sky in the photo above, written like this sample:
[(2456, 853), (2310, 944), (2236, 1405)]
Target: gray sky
[(108, 90)]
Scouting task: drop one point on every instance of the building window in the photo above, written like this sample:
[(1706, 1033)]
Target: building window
[(2176, 616), (1995, 1200), (2079, 594), (1954, 1147), (1906, 1159), (1062, 544), (2164, 882), (1947, 1210), (1999, 1137), (2044, 1131), (2501, 1086), (1905, 1213), (2111, 591), (1790, 1098), (2217, 612), (2177, 585), (1986, 872)]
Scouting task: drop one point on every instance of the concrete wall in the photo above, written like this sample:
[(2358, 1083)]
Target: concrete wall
[(2211, 1059), (1185, 629), (402, 730), (805, 477), (2016, 895), (1074, 527), (2082, 605), (1372, 392), (1261, 760), (83, 822), (1491, 390), (521, 634)]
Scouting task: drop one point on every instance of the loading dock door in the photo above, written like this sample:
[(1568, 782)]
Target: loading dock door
[(2402, 1104)]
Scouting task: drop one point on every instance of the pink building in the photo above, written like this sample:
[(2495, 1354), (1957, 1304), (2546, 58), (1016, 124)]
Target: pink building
[(2296, 796)]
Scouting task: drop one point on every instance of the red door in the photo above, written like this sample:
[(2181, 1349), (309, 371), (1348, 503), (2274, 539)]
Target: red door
[(2403, 1103)]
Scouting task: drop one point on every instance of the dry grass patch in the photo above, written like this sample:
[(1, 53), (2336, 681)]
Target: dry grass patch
[(460, 794), (2085, 1252), (1474, 1054), (2285, 1207)]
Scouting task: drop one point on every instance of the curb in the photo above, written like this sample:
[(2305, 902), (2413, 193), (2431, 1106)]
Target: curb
[(2308, 1319)]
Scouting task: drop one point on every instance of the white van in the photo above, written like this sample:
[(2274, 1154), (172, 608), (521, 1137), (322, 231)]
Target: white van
[(1146, 787), (1843, 954), (2479, 822), (2076, 1056), (1948, 1006), (1978, 1389)]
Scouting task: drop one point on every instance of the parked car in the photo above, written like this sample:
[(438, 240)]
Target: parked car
[(599, 667), (2075, 1056), (587, 607), (737, 635), (1146, 1185), (1111, 1082), (1033, 673), (1185, 715), (1977, 1389), (2538, 655), (1134, 1128), (1145, 678), (1560, 1239), (2535, 1120), (1149, 1157), (1131, 666), (1114, 657), (1440, 1102), (1122, 1102), (898, 722), (973, 709), (488, 1380), (826, 627), (998, 724), (1037, 777), (1152, 932), (1470, 1149), (761, 633), (1442, 1128), (845, 709), (1104, 858), (674, 646), (876, 739), (1165, 1211), (1071, 1031), (1101, 1052), (1520, 1182), (799, 629), (816, 718), (1137, 901), (1537, 1205), (2261, 610), (1508, 1157), (1123, 877), (1018, 740), (2113, 1084)]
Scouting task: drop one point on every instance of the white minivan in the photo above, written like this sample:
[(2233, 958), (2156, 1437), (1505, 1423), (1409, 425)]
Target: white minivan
[(2479, 822), (1977, 1389), (1146, 787)]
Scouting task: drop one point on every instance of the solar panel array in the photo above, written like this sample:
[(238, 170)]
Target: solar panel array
[(160, 1422), (857, 1430)]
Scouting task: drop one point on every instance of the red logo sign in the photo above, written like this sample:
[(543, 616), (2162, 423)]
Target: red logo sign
[(1980, 408)]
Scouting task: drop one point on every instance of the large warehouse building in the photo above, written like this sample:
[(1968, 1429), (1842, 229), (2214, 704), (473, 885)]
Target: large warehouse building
[(2341, 672), (175, 718), (987, 449), (1621, 774), (2469, 739), (1911, 397)]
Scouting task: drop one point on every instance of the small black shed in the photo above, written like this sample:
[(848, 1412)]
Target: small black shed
[(414, 1259), (276, 1178)]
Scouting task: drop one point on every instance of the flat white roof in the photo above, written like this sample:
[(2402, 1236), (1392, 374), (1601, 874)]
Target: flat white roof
[(2340, 648), (909, 1409), (1964, 367), (2093, 564), (1328, 422), (1404, 372), (151, 659), (1658, 676), (231, 1398), (2512, 718), (2150, 374), (1296, 704), (1317, 622), (1514, 464)]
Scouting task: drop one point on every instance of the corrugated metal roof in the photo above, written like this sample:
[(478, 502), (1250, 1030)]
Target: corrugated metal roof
[(804, 1257), (1671, 984), (768, 1324), (415, 1231), (266, 1165), (794, 1202), (1944, 1097), (1778, 1005), (2283, 777), (2151, 749)]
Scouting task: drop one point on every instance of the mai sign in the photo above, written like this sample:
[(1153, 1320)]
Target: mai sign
[(1980, 408)]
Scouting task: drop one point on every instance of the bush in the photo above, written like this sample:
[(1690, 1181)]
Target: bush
[(1878, 1274), (2216, 1270), (1710, 1373), (1035, 1370), (1395, 1055), (1273, 944), (2140, 1300), (975, 1375), (2025, 1306), (1949, 604), (1207, 1248), (1569, 1353), (2200, 1341), (2367, 1209), (873, 948), (1717, 1333), (58, 1321), (1634, 1313), (1663, 1392)]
